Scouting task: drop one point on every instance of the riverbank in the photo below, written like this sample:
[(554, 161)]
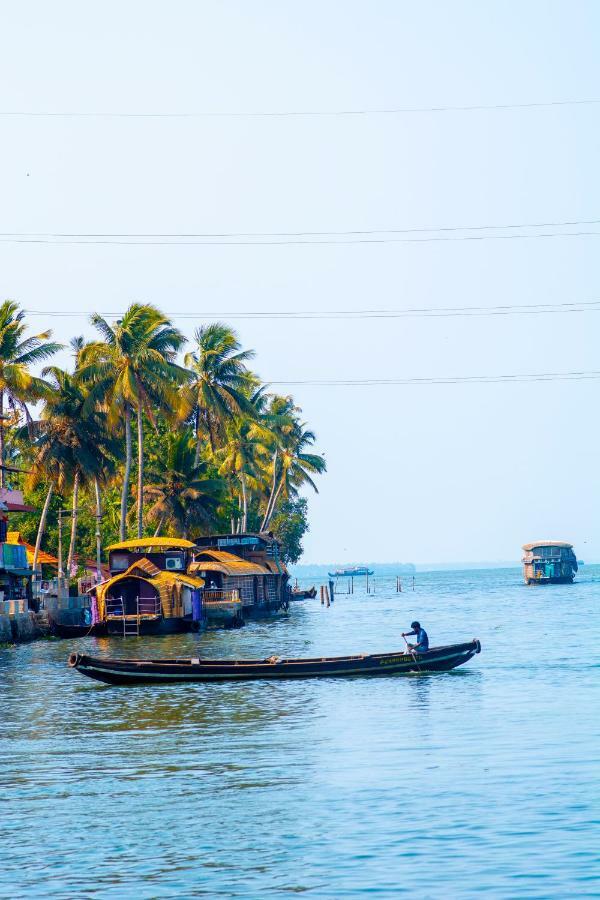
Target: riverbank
[(18, 624)]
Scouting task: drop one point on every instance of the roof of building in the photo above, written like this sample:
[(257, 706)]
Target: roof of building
[(14, 501), (227, 563), (14, 537), (535, 544), (164, 543)]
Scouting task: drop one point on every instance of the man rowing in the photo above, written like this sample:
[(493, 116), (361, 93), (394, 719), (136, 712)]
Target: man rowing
[(422, 644)]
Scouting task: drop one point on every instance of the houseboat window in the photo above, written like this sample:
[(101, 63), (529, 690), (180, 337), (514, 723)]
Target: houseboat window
[(119, 561)]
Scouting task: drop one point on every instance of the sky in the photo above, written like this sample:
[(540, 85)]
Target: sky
[(419, 473)]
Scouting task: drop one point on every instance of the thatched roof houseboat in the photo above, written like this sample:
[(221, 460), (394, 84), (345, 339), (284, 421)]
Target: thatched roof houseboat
[(163, 585)]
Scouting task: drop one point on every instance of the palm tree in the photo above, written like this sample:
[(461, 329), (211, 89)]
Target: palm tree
[(296, 468), (182, 493), (243, 458), (279, 417), (71, 446), (220, 382), (17, 353), (134, 370)]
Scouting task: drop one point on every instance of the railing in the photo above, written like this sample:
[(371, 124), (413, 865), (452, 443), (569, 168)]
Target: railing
[(221, 596), (144, 606)]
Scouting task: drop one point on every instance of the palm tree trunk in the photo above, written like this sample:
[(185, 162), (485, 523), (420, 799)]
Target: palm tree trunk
[(244, 503), (126, 474), (197, 430), (73, 524), (273, 506), (2, 439), (140, 484), (98, 536), (267, 515), (42, 525)]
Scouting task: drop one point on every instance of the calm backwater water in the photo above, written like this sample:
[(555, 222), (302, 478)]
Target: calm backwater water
[(480, 780)]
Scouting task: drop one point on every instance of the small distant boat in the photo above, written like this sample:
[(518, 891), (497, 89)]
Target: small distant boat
[(161, 671), (299, 594), (351, 572)]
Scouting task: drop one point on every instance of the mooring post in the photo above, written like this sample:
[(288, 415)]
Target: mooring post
[(322, 596), (413, 582), (331, 591), (352, 580), (327, 603)]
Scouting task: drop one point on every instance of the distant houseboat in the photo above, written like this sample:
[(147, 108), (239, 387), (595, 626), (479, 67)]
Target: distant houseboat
[(352, 572), (549, 562)]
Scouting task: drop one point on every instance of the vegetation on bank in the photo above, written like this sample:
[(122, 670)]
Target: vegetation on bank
[(144, 441)]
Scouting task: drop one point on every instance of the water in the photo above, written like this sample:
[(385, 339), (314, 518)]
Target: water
[(451, 785)]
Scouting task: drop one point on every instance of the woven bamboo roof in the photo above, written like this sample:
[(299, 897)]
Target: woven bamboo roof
[(227, 563), (546, 544), (164, 582), (163, 543)]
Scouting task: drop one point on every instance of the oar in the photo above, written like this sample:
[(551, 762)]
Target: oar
[(412, 653)]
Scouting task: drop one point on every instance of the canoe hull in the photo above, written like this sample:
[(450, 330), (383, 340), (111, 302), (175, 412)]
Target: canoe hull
[(161, 671)]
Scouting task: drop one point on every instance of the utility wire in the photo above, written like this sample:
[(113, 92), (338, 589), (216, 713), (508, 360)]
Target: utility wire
[(467, 379), (281, 114), (350, 314), (284, 234), (280, 243)]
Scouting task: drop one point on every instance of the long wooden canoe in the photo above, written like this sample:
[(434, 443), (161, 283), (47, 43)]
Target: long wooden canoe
[(143, 671)]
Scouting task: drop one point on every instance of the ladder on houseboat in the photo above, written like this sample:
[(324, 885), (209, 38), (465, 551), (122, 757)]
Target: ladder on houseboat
[(131, 626)]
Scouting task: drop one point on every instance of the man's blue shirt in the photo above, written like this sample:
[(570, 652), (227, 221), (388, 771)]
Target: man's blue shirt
[(422, 640)]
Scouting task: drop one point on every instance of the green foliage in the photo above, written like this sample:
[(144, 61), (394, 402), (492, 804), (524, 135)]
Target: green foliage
[(289, 525), (217, 451)]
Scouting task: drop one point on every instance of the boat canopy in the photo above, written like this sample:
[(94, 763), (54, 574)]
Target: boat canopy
[(227, 563), (164, 543), (144, 570), (535, 544)]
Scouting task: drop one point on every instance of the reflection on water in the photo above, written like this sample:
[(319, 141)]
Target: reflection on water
[(477, 780)]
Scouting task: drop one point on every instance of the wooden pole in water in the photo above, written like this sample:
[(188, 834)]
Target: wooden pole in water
[(327, 603), (322, 596), (331, 591), (413, 582)]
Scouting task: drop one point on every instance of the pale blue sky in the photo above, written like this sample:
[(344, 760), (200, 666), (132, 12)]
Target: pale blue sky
[(440, 473)]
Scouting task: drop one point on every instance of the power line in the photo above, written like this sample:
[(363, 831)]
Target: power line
[(281, 114), (350, 315), (272, 234), (280, 243), (467, 379)]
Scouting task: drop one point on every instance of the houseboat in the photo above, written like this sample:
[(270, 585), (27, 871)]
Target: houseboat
[(549, 562), (150, 590), (164, 585), (245, 566), (351, 572)]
